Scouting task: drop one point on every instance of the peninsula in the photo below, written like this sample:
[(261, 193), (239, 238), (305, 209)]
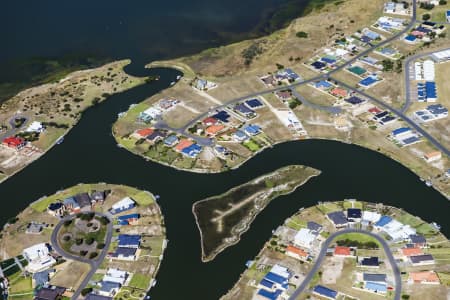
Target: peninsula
[(89, 240), (349, 250), (222, 219), (345, 79)]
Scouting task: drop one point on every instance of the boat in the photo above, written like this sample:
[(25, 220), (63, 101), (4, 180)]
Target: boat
[(178, 77), (172, 83), (60, 140), (157, 197), (428, 183)]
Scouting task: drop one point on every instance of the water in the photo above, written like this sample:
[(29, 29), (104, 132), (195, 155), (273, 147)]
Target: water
[(89, 152)]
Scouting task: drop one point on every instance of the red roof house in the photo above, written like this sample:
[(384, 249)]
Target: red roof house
[(339, 92), (296, 253), (14, 142), (411, 251), (210, 121), (184, 143), (342, 251), (143, 133)]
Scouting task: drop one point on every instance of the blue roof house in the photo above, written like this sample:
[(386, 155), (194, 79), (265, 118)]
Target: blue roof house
[(323, 291), (192, 151), (252, 130), (254, 103), (171, 141), (322, 85), (122, 253), (376, 287), (240, 136), (448, 16), (129, 241)]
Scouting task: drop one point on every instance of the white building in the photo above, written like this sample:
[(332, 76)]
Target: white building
[(304, 238), (124, 204), (441, 56), (428, 70), (38, 257), (115, 275), (370, 216), (35, 127)]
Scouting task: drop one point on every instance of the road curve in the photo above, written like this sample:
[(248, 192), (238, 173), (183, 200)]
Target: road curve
[(93, 263), (323, 252)]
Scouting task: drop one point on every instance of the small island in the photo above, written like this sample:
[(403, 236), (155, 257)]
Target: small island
[(97, 241), (223, 219), (349, 250)]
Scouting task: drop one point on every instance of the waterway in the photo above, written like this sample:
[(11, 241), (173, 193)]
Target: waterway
[(89, 154)]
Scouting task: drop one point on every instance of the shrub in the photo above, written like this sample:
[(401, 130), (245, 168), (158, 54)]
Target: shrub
[(426, 17), (86, 291), (104, 220), (101, 245), (83, 252), (93, 255), (301, 34), (67, 223), (66, 238), (89, 240), (79, 241)]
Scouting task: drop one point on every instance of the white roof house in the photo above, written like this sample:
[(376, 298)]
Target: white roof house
[(35, 127), (304, 238), (38, 257), (370, 216), (428, 70), (115, 275), (398, 231), (281, 271), (124, 203)]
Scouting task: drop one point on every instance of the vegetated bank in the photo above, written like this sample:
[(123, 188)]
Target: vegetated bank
[(223, 219)]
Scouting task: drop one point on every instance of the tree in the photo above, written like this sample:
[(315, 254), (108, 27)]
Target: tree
[(442, 2), (301, 34), (426, 17), (93, 255), (86, 291), (388, 65)]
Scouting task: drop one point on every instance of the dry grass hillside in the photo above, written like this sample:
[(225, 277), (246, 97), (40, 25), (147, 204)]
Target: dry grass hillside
[(284, 47)]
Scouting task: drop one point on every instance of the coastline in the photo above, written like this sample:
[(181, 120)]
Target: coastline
[(237, 235)]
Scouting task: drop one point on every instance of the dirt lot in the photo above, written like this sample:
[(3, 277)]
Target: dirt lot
[(70, 274)]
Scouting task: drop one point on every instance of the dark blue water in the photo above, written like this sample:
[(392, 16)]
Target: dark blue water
[(152, 30)]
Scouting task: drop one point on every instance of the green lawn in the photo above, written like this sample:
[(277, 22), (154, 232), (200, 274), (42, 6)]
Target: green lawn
[(140, 281), (143, 198), (42, 205), (251, 145), (359, 237), (21, 285)]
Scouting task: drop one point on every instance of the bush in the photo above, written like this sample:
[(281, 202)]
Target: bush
[(442, 2), (79, 241), (89, 241), (89, 224), (87, 216), (104, 220), (83, 252), (93, 255), (86, 291), (66, 238), (67, 223), (426, 17), (301, 34), (101, 245)]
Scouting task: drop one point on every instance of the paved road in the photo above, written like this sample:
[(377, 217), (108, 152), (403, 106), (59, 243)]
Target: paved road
[(407, 69), (296, 84), (94, 263), (13, 130), (401, 115), (323, 252)]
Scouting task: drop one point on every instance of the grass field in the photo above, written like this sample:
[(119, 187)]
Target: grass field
[(21, 285), (140, 281)]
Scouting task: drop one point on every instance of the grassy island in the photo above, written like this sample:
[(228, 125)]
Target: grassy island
[(223, 219)]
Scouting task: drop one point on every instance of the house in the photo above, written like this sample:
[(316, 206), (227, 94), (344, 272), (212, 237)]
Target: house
[(283, 95), (376, 287), (142, 133), (383, 221), (83, 200), (116, 276), (41, 279), (210, 121), (222, 116), (354, 215), (71, 205), (129, 241), (418, 240), (324, 292), (56, 209), (122, 253), (221, 151), (420, 260), (14, 142), (128, 219), (338, 219), (342, 251), (38, 257), (123, 205), (374, 277), (354, 100), (368, 81), (318, 65), (214, 129), (322, 85), (244, 110), (91, 296), (275, 282), (35, 127), (252, 130), (98, 196), (314, 227), (357, 70), (171, 141), (410, 39), (305, 238), (432, 156), (424, 277), (50, 293), (269, 80), (297, 253), (108, 289), (184, 143), (192, 151), (441, 56), (254, 103), (34, 228), (369, 262), (338, 92), (370, 217), (156, 136), (240, 136)]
